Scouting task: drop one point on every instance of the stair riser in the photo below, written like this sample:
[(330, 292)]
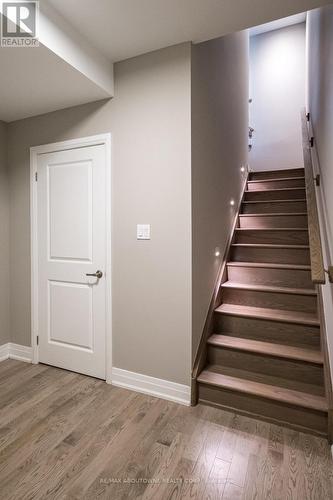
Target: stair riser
[(267, 331), (276, 174), (264, 408), (269, 208), (291, 302), (271, 255), (276, 184), (275, 221), (275, 195), (279, 237), (275, 277), (267, 365)]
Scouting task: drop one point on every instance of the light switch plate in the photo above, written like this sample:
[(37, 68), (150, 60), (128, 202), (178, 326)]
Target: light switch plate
[(143, 231)]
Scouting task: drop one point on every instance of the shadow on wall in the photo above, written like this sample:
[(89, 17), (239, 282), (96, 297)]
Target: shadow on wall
[(219, 150)]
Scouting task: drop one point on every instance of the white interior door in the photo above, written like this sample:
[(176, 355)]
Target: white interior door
[(71, 200)]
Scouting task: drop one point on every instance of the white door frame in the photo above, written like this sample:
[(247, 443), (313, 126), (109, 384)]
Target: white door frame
[(102, 139)]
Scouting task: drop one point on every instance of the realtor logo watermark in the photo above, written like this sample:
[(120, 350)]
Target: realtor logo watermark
[(19, 23)]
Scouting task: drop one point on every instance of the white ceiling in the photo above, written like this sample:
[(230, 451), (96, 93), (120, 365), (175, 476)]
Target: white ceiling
[(280, 23), (125, 28), (81, 38), (63, 71), (35, 81)]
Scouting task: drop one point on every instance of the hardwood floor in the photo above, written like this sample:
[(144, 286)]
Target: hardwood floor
[(67, 436)]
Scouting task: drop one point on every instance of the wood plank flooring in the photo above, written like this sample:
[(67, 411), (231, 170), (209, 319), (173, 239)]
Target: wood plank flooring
[(67, 436)]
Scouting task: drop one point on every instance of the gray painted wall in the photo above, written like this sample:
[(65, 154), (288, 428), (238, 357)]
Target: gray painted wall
[(219, 149), (320, 105), (4, 239), (277, 87), (151, 172), (150, 122)]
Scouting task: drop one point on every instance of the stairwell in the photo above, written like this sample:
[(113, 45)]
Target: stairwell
[(263, 355)]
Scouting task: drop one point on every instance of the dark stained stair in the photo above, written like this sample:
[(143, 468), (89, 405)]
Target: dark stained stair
[(263, 355)]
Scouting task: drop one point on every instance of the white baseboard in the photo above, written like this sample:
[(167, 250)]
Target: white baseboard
[(16, 351), (4, 352), (152, 386), (20, 352)]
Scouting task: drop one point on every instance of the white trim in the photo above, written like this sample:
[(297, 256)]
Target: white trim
[(101, 139), (16, 351), (152, 386), (20, 352), (4, 352), (34, 254), (108, 263), (82, 142)]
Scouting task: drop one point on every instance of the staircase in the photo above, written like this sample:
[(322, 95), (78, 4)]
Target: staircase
[(263, 356)]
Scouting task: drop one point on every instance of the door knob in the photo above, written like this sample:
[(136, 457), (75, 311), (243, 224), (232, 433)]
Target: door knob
[(97, 274)]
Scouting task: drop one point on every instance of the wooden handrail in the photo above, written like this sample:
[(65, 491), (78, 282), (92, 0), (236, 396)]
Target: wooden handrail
[(316, 254)]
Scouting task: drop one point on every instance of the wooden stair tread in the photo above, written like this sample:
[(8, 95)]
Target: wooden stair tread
[(276, 179), (274, 214), (293, 200), (269, 265), (267, 348), (269, 245), (271, 229), (298, 317), (278, 170), (276, 189), (262, 378), (273, 392), (269, 288)]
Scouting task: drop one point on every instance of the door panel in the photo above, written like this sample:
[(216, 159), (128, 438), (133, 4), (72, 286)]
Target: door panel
[(71, 244), (68, 326), (69, 189)]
